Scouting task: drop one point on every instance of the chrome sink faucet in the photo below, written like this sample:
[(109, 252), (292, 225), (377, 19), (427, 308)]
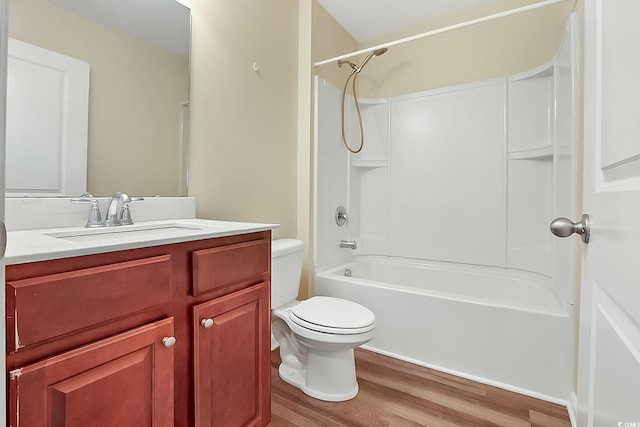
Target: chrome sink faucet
[(118, 212)]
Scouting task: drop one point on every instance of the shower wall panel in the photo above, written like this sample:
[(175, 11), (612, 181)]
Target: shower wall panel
[(331, 174), (369, 193), (448, 175), (468, 174), (369, 180)]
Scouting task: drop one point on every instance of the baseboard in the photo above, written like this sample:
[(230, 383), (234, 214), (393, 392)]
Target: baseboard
[(572, 409)]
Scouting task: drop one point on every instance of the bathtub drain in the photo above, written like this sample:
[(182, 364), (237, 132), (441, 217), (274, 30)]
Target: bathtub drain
[(347, 272)]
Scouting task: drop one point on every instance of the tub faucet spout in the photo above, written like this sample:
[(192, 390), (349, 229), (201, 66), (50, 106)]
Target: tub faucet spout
[(349, 244)]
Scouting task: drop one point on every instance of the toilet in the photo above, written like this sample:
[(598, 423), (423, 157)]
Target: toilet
[(316, 336)]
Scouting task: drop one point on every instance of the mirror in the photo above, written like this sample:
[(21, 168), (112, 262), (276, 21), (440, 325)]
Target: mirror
[(138, 55)]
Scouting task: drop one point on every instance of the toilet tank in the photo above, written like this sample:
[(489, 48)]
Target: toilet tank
[(286, 267)]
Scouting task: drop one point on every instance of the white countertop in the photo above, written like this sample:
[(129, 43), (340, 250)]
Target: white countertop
[(43, 244)]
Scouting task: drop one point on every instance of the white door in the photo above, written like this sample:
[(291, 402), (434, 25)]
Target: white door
[(609, 349), (47, 122)]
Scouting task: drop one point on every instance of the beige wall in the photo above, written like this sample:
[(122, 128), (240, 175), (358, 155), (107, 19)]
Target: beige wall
[(251, 133), (305, 149), (319, 35), (134, 103), (243, 157), (330, 40), (492, 49)]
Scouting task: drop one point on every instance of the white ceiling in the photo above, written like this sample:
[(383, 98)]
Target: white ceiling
[(166, 23), (364, 19), (369, 19)]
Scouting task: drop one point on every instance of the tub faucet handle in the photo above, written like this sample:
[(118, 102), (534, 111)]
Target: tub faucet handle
[(341, 216)]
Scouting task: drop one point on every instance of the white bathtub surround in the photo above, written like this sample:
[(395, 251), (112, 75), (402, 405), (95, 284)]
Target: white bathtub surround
[(471, 174), (26, 213), (500, 327), (466, 179)]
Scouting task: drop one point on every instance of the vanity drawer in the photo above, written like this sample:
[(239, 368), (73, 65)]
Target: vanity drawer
[(240, 264), (45, 307)]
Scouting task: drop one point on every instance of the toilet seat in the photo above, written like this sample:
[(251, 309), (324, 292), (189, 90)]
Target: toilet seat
[(333, 316)]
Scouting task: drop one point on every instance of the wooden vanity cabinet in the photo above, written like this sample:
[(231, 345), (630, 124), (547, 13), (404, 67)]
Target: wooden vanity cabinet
[(89, 339)]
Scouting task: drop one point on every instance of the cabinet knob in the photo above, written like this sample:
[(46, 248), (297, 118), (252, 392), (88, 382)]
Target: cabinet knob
[(169, 341), (207, 323)]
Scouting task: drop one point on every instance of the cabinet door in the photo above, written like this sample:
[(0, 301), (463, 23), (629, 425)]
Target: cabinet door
[(231, 359), (125, 380)]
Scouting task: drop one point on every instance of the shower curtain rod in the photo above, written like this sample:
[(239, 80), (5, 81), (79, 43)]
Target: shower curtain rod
[(443, 30)]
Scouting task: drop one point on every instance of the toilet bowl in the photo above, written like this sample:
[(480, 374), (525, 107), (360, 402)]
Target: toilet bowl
[(316, 336)]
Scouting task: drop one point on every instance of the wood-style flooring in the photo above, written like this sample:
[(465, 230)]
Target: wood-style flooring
[(397, 393)]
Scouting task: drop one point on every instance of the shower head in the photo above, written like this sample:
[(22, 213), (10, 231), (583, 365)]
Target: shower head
[(357, 69), (376, 52)]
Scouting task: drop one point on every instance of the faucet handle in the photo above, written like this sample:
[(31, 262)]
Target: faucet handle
[(94, 214), (125, 214)]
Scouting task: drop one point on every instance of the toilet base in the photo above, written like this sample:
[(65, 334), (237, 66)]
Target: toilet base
[(330, 376)]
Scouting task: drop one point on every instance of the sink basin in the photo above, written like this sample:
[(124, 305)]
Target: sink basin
[(123, 231)]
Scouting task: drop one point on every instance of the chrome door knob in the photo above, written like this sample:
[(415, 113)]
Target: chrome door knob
[(169, 341), (564, 227), (206, 323)]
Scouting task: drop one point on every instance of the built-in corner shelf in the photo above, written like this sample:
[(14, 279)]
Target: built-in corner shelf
[(544, 152), (360, 163)]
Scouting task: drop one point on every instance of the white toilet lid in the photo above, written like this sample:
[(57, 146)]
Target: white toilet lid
[(333, 315)]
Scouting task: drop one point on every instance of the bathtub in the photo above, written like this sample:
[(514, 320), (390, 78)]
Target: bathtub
[(500, 327)]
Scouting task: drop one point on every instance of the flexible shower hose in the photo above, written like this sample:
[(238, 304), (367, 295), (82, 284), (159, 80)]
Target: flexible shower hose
[(353, 74)]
